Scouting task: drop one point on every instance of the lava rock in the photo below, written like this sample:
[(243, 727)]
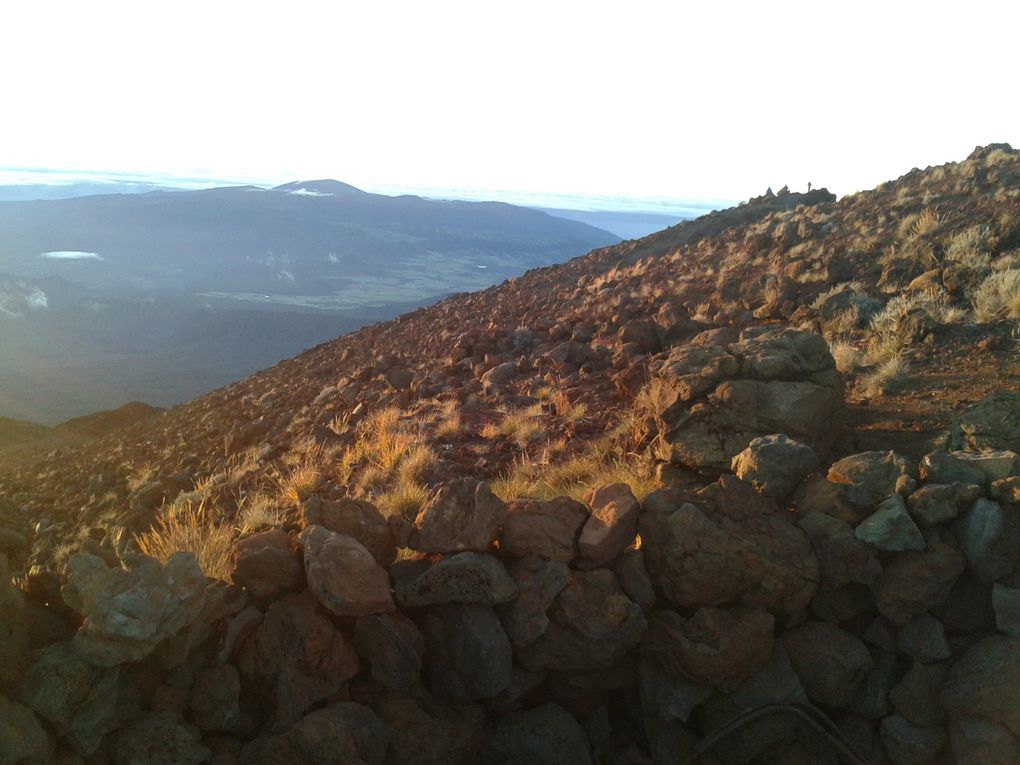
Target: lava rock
[(343, 575), (775, 464)]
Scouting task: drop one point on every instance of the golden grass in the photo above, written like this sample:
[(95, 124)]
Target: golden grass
[(259, 511), (449, 425), (406, 498), (889, 375), (300, 483), (846, 356), (521, 425), (998, 296), (188, 527)]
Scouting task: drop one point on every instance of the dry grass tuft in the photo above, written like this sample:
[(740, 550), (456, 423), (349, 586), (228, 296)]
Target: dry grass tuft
[(889, 376), (998, 296), (406, 498), (847, 357), (259, 511), (521, 425), (188, 527)]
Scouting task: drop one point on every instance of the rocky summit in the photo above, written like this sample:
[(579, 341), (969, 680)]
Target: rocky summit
[(743, 491)]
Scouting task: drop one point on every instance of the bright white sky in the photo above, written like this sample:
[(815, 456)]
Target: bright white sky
[(668, 99)]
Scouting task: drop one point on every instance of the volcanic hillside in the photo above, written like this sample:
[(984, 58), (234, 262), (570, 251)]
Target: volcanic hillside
[(765, 456)]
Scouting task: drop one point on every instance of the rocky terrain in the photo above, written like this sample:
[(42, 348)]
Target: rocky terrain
[(744, 491)]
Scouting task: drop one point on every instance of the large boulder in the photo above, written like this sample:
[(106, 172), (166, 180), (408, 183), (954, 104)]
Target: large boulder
[(989, 536), (393, 646), (591, 625), (775, 464), (772, 381), (890, 528), (266, 565), (986, 682), (831, 663), (78, 698), (612, 525), (468, 655), (23, 739), (466, 515), (539, 581), (548, 529), (547, 734), (343, 732), (343, 574), (127, 612), (727, 544), (715, 646), (467, 577), (355, 518), (842, 557), (937, 503), (869, 477), (295, 658), (158, 738), (992, 423)]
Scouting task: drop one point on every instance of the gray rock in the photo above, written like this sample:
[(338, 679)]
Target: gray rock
[(869, 477), (667, 696), (22, 737), (355, 518), (732, 546), (468, 655), (890, 528), (908, 744), (872, 698), (992, 423), (634, 579), (539, 581), (915, 581), (216, 698), (937, 503), (424, 732), (14, 637), (612, 525), (842, 557), (466, 515), (1006, 602), (547, 734), (158, 738), (466, 577), (923, 639), (989, 537), (393, 646), (977, 741), (832, 664), (916, 696), (942, 468), (986, 682), (343, 575), (775, 464), (995, 465), (591, 625), (548, 529), (78, 698), (343, 732), (266, 566), (129, 611)]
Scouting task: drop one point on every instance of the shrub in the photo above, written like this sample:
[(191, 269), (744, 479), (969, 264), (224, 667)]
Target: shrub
[(889, 375), (259, 511), (847, 357), (998, 296)]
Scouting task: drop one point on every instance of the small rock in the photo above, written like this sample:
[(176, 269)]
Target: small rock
[(869, 477), (423, 732), (915, 581), (634, 579), (355, 518), (501, 374), (890, 528), (916, 696), (22, 738), (668, 696), (977, 741), (775, 465), (344, 732), (343, 575), (842, 557), (266, 566), (158, 738), (942, 468), (215, 698), (994, 465), (937, 503), (1006, 602), (612, 525)]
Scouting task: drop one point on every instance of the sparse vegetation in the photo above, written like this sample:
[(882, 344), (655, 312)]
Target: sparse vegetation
[(190, 527), (846, 356), (259, 511), (521, 425), (998, 296), (888, 376)]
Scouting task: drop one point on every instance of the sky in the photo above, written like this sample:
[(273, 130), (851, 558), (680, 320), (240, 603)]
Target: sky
[(715, 100)]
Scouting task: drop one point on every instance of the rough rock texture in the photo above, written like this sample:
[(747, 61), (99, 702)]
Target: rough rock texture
[(842, 557), (775, 464), (727, 544), (986, 682), (546, 734), (465, 516), (714, 647), (355, 518), (424, 732), (393, 646), (776, 381), (890, 528), (343, 732), (591, 624), (158, 738), (296, 657), (22, 736), (915, 581), (467, 577), (993, 423), (470, 652), (869, 477), (548, 529), (612, 525), (831, 663), (343, 574), (538, 581), (989, 536), (266, 565), (129, 611)]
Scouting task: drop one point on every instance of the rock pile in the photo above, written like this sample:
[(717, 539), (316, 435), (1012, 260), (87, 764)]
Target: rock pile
[(608, 631)]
